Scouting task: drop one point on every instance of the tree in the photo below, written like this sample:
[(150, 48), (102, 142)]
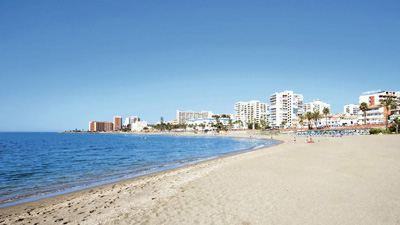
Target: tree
[(396, 122), (240, 124), (316, 116), (162, 123), (326, 111), (230, 123), (263, 124), (364, 108), (388, 103), (301, 120), (283, 123), (309, 117)]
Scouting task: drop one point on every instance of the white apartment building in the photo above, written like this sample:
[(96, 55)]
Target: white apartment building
[(316, 106), (130, 120), (376, 113), (251, 112), (285, 106), (182, 116), (351, 110)]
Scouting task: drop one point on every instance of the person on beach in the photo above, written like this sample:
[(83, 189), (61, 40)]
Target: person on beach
[(295, 139)]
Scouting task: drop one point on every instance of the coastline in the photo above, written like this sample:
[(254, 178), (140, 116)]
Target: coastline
[(77, 190), (144, 172), (174, 195)]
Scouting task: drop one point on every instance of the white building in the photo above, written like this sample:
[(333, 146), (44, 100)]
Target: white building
[(251, 112), (351, 110), (208, 122), (285, 107), (130, 120), (337, 120), (138, 125), (182, 116), (316, 106), (376, 113)]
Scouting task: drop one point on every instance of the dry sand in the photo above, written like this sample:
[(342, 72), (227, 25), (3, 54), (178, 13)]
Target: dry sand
[(348, 180)]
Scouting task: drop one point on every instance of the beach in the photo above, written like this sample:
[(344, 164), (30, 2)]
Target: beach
[(337, 180)]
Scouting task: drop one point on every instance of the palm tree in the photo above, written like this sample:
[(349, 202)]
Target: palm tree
[(316, 116), (301, 120), (396, 122), (388, 103), (283, 123), (309, 117), (263, 124), (364, 108), (326, 111)]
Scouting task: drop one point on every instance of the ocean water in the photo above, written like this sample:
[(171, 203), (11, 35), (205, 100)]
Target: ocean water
[(39, 165)]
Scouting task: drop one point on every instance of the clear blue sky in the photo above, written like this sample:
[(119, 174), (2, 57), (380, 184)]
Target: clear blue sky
[(65, 63)]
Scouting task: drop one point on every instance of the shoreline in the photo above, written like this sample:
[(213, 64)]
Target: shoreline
[(337, 180), (190, 162)]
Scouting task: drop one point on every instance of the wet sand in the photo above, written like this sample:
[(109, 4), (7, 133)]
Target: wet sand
[(348, 180)]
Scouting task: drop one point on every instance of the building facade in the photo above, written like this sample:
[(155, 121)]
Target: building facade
[(251, 112), (285, 107), (138, 125), (316, 106), (131, 119), (376, 113), (117, 122), (183, 116), (351, 110), (96, 126)]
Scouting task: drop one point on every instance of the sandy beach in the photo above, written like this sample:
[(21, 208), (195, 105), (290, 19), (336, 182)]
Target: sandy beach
[(347, 180)]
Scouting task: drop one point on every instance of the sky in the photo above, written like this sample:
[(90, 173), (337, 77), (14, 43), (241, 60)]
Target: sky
[(65, 63)]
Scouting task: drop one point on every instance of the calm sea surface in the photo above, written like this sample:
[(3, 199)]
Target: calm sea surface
[(38, 165)]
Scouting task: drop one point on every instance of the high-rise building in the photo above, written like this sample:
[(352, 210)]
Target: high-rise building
[(251, 112), (285, 107), (316, 106), (117, 122), (351, 110), (96, 126), (376, 113), (182, 116)]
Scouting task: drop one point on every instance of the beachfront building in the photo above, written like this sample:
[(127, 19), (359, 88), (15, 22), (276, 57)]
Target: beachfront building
[(336, 120), (316, 106), (351, 110), (117, 123), (376, 113), (208, 123), (285, 107), (131, 119), (251, 112), (182, 116), (138, 125), (96, 126)]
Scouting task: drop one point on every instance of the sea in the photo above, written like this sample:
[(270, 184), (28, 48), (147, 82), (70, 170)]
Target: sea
[(40, 165)]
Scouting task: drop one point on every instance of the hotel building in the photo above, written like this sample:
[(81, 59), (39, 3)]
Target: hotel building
[(376, 113), (251, 112), (316, 106), (182, 116), (96, 126), (117, 123), (351, 110), (285, 107)]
